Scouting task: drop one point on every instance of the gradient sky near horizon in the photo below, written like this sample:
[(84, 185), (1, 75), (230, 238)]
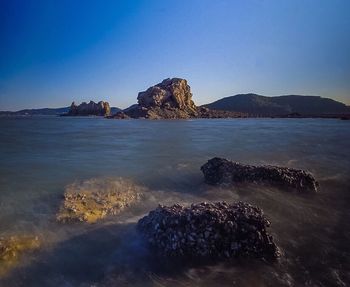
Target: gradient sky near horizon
[(56, 52)]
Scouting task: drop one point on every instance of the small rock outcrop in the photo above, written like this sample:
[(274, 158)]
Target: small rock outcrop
[(94, 199), (11, 249), (222, 171), (209, 231), (120, 116), (170, 99), (206, 113), (91, 109)]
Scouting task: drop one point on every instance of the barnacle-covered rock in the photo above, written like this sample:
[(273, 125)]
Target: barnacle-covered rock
[(209, 230), (222, 171)]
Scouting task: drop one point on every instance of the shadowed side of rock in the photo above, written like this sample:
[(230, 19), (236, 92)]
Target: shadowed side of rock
[(209, 231), (222, 171)]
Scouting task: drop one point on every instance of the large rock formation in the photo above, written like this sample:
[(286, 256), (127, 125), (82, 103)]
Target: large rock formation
[(91, 109), (169, 99), (209, 231), (222, 171), (170, 93)]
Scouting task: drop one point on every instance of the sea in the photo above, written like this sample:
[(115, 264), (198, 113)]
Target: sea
[(41, 156)]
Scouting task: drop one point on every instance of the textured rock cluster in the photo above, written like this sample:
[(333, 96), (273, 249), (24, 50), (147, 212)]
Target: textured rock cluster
[(222, 171), (170, 93), (94, 199), (209, 231), (90, 109)]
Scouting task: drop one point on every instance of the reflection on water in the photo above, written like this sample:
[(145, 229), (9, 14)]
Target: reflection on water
[(39, 157)]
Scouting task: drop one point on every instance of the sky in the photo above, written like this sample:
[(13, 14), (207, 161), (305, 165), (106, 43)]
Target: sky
[(56, 52)]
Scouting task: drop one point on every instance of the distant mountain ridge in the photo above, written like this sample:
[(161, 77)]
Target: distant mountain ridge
[(44, 112), (36, 112), (257, 105)]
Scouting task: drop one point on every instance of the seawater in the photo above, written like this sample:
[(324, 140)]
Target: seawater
[(40, 156)]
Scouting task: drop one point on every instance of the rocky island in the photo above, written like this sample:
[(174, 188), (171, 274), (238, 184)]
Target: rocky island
[(170, 99), (89, 109), (222, 171)]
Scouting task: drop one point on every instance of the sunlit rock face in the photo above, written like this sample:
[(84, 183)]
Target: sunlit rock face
[(209, 231), (223, 171), (170, 99), (90, 109), (170, 93)]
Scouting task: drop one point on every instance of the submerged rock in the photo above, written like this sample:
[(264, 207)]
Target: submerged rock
[(11, 249), (222, 171), (94, 199), (209, 231), (91, 109)]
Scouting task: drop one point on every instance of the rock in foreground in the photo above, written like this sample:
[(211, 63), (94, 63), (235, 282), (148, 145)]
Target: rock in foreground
[(91, 109), (96, 198), (12, 247), (222, 171), (209, 231)]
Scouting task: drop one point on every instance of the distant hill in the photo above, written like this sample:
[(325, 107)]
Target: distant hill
[(258, 105), (44, 112), (36, 112)]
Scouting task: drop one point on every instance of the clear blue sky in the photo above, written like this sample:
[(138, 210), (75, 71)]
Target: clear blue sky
[(54, 52)]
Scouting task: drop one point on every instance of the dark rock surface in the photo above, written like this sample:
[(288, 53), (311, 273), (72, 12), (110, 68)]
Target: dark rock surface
[(91, 109), (209, 231), (222, 171)]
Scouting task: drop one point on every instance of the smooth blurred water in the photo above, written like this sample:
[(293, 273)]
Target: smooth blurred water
[(39, 156)]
